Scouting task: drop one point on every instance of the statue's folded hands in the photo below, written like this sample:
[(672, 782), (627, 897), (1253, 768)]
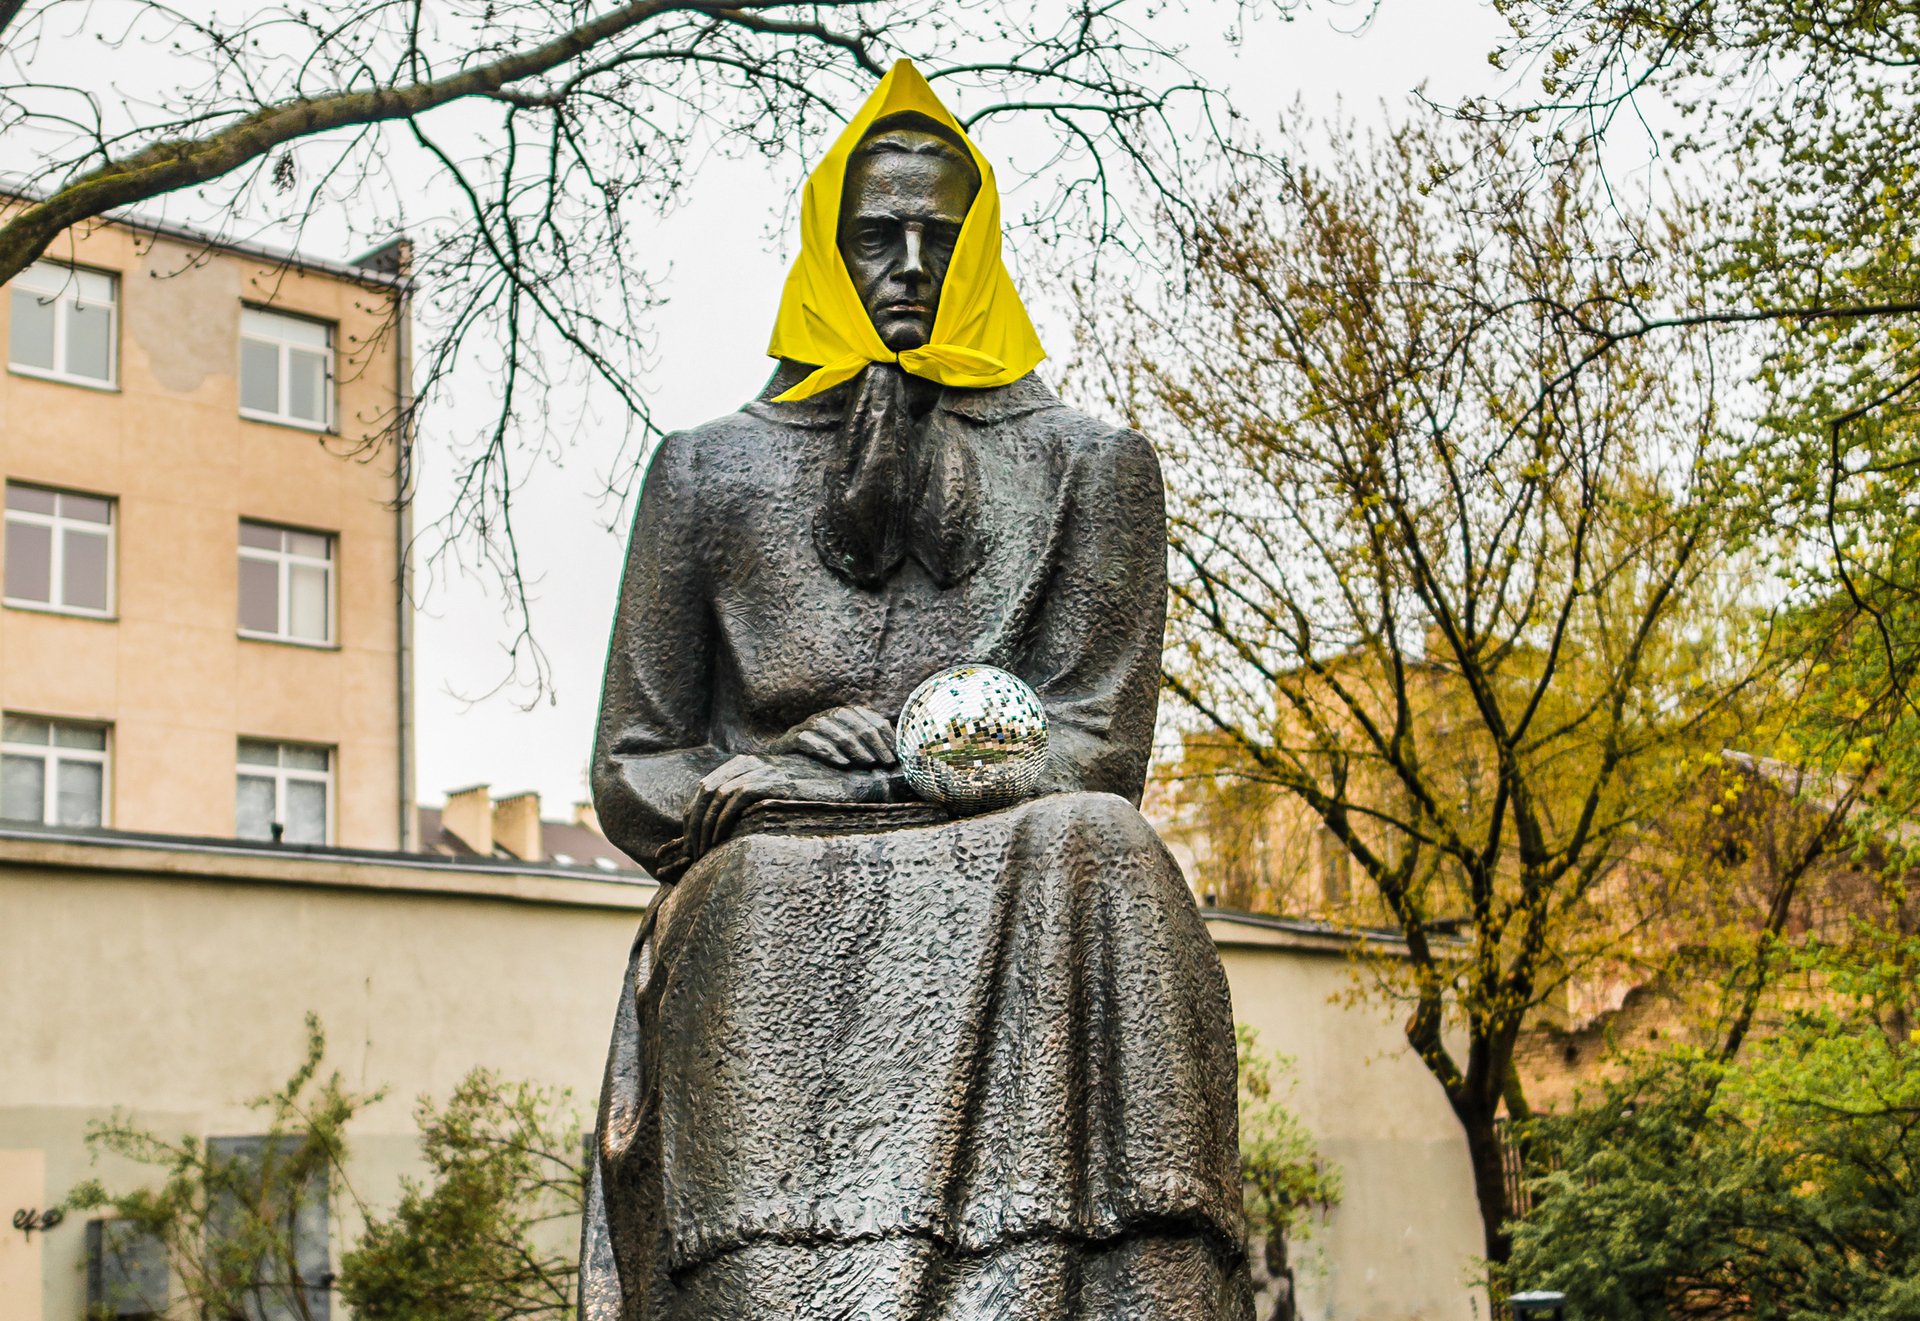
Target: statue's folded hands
[(842, 736), (752, 778)]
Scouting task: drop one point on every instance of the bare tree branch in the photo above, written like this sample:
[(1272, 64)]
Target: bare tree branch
[(523, 146)]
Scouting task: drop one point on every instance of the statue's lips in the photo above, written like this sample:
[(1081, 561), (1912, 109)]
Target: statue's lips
[(906, 309)]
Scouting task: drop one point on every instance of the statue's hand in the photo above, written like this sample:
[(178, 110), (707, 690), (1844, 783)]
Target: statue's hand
[(844, 736), (750, 778)]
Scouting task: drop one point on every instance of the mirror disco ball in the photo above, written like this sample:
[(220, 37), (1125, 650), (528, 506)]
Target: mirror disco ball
[(973, 737)]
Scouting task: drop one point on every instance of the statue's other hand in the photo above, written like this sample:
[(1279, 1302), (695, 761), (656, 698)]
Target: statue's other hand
[(738, 784), (844, 736)]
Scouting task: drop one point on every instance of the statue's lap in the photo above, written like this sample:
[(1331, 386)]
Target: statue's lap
[(1034, 978)]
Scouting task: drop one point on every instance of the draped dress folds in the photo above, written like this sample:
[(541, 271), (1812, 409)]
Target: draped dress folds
[(870, 1062)]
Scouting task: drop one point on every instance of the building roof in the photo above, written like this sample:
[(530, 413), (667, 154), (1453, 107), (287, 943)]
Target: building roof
[(245, 859), (1231, 926), (376, 268), (564, 843)]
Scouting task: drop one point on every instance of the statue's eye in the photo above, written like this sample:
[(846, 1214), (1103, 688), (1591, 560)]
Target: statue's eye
[(872, 240)]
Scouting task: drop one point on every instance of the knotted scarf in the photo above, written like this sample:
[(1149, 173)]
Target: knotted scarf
[(981, 337), (903, 489)]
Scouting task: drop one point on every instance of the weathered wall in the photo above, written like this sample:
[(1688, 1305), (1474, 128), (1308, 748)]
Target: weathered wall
[(173, 983), (180, 995), (1402, 1242)]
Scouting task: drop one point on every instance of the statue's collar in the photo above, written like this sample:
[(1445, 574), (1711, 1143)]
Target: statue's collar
[(1026, 395)]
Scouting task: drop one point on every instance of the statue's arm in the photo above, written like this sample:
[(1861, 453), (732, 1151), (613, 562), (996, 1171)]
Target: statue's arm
[(653, 744), (1096, 660)]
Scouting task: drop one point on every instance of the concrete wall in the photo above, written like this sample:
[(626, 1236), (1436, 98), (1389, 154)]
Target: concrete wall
[(172, 981), (1402, 1242), (170, 672)]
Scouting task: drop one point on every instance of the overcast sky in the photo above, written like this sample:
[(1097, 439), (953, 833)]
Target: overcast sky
[(725, 280), (725, 255)]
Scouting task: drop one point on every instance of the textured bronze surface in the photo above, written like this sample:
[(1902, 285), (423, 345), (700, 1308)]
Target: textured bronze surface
[(871, 1063)]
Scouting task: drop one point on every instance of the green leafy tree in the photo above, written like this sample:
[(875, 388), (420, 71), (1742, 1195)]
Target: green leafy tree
[(1460, 583), (1285, 1179), (1802, 109), (1783, 1183), (494, 1235), (490, 1236), (229, 1223), (1801, 113)]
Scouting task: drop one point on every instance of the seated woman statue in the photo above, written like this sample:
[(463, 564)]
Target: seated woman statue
[(873, 1060)]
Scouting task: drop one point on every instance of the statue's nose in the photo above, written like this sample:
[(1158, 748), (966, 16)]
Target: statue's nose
[(915, 266)]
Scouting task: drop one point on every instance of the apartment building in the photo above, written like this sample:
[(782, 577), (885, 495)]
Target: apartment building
[(204, 630)]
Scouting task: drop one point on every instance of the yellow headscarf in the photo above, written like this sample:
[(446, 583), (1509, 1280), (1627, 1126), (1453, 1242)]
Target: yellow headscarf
[(981, 334)]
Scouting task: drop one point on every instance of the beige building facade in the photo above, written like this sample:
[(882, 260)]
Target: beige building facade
[(170, 979), (203, 630)]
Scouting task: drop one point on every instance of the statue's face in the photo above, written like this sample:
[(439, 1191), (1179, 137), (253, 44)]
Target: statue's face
[(900, 217)]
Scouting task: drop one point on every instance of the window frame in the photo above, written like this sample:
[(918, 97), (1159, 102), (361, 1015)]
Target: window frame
[(284, 560), (56, 523), (280, 773), (63, 296), (1336, 869), (330, 378), (270, 1299), (51, 754), (126, 1267)]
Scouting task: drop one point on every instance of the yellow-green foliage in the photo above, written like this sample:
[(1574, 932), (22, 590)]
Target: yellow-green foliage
[(492, 1235), (227, 1223), (1285, 1179), (1780, 1185)]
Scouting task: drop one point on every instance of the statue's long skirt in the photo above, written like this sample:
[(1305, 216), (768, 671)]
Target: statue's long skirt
[(979, 1069)]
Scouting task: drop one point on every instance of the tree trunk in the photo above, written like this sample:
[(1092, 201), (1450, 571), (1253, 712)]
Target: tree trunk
[(1475, 1097), (1280, 1270), (1489, 1174), (9, 10)]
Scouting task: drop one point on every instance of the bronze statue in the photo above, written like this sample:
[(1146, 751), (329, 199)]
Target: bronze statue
[(873, 1061)]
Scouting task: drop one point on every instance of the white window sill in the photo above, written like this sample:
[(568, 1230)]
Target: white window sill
[(288, 642), (291, 423), (105, 822), (61, 378), (71, 612)]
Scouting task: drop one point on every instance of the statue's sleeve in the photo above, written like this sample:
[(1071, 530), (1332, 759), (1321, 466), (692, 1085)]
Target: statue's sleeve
[(654, 738), (1096, 658)]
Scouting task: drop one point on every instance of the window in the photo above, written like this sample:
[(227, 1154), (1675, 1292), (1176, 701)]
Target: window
[(63, 324), (286, 584), (53, 772), (282, 792), (59, 550), (126, 1272), (1336, 869), (268, 1195), (286, 369)]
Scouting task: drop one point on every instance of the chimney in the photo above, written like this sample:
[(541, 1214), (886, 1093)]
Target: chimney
[(516, 826), (584, 815), (468, 816)]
